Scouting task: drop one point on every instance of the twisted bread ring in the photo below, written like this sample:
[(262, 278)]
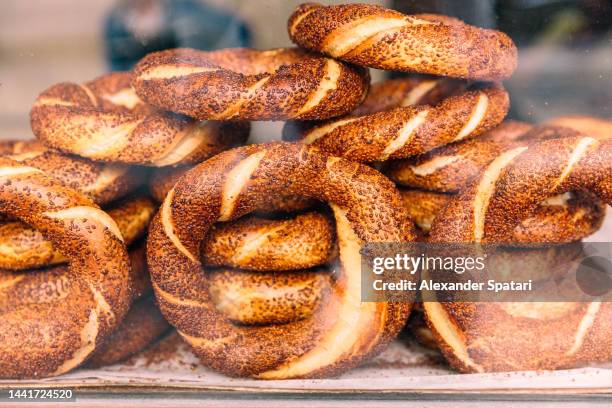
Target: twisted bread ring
[(449, 168), (537, 264), (163, 179), (377, 37), (509, 189), (33, 341), (561, 218), (367, 208), (23, 247), (390, 94), (102, 182), (408, 91), (240, 83), (411, 130), (263, 245), (104, 120)]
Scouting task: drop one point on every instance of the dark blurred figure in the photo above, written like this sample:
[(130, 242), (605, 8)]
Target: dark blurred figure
[(136, 27), (526, 21)]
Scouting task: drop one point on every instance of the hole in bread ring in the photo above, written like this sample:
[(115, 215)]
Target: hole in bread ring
[(485, 336), (342, 330), (104, 120), (259, 244), (268, 297), (33, 341)]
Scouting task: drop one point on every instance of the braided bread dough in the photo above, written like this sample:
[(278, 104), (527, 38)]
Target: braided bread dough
[(33, 341), (411, 130), (23, 247), (511, 187), (245, 84), (376, 37), (105, 120), (367, 208)]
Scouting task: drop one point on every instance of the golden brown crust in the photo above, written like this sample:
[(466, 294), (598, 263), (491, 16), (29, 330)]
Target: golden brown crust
[(500, 336), (390, 94), (23, 247), (408, 131), (261, 244), (268, 297), (17, 147), (587, 125), (104, 120), (449, 168), (102, 182), (367, 208), (408, 91), (558, 219), (51, 338), (376, 37), (245, 84), (163, 179), (143, 325)]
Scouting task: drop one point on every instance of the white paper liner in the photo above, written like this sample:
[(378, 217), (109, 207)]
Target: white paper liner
[(404, 366)]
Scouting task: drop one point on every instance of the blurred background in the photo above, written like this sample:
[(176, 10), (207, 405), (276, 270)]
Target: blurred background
[(565, 62)]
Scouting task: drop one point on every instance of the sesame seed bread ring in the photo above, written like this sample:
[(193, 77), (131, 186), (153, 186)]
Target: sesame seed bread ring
[(367, 208), (23, 247), (376, 37), (104, 120), (164, 178), (246, 84), (449, 168), (587, 125), (411, 130), (408, 91), (46, 339), (140, 327), (103, 182), (263, 245), (268, 297), (481, 337), (559, 219), (390, 94)]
